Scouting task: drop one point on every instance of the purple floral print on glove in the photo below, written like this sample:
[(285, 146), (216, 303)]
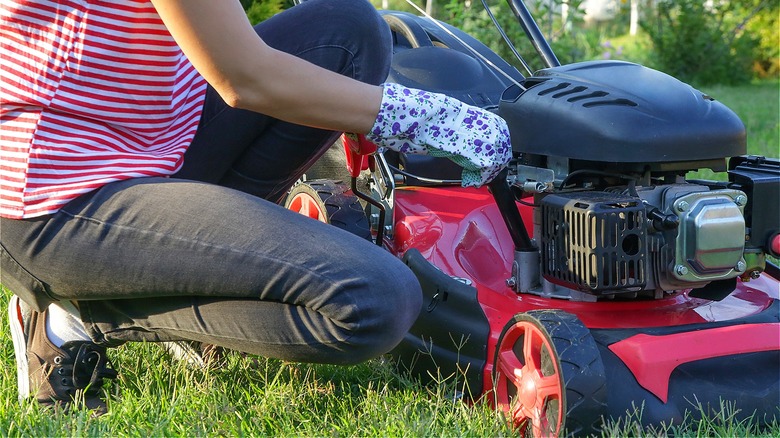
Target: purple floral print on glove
[(420, 122)]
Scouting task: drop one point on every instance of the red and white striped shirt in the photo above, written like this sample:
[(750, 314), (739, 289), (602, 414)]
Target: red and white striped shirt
[(91, 92)]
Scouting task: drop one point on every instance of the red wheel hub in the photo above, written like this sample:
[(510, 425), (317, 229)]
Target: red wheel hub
[(529, 385), (307, 206)]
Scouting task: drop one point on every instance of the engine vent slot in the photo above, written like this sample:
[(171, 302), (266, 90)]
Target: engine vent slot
[(580, 93), (594, 241), (577, 89), (593, 95), (610, 102), (558, 87)]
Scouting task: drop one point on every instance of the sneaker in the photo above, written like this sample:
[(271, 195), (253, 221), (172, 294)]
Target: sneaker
[(185, 351), (195, 354), (56, 376)]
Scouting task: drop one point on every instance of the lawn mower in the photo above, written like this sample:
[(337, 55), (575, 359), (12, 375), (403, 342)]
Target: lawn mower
[(591, 279)]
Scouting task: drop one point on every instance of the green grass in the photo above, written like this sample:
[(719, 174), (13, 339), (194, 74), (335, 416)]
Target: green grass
[(156, 396), (249, 396), (758, 105)]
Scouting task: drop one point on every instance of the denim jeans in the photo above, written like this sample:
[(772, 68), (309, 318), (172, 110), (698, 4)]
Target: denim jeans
[(208, 255)]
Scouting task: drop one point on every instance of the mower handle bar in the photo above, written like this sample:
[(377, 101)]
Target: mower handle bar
[(505, 200)]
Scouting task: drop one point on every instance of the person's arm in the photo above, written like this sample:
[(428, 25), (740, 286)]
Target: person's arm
[(220, 42), (218, 39)]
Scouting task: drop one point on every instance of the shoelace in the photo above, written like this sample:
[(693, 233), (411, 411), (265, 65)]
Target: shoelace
[(89, 368)]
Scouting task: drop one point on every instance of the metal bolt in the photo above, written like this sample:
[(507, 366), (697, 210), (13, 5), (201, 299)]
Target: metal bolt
[(388, 229), (755, 274), (682, 206), (681, 270), (740, 266), (740, 200), (534, 187), (511, 282)]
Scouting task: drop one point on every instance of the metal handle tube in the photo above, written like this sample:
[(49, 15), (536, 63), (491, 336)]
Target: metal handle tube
[(534, 33), (505, 201), (380, 231)]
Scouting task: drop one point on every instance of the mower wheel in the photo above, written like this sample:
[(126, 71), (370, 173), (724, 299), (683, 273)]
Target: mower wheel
[(330, 202), (548, 374)]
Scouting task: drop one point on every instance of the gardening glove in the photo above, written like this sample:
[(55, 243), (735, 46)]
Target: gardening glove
[(420, 122)]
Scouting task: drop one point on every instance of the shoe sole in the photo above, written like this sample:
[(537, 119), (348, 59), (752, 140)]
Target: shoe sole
[(184, 351), (20, 347)]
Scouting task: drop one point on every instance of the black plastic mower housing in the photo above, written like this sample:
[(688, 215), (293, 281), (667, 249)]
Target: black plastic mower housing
[(442, 63), (620, 112), (759, 178)]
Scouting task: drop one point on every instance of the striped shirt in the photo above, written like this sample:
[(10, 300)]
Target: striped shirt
[(91, 92)]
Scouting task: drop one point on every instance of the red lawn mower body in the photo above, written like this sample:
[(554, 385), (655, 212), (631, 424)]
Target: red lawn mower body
[(662, 357), (591, 280)]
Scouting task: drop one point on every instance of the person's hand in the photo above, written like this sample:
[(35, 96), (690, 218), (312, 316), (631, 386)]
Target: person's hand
[(420, 122)]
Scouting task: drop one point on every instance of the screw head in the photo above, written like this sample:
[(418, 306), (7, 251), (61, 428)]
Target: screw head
[(740, 200), (740, 266), (682, 206), (681, 270)]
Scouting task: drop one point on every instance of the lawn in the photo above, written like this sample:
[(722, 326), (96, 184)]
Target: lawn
[(157, 396), (758, 105)]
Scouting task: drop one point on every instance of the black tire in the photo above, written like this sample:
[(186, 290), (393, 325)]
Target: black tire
[(337, 205), (331, 165), (578, 361)]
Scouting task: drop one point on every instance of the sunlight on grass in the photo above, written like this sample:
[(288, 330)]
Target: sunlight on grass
[(758, 106), (248, 396)]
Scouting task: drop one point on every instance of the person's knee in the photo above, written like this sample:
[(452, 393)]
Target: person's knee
[(361, 11), (386, 313), (360, 23)]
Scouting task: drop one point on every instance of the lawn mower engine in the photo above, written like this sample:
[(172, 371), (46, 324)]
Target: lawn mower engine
[(604, 148)]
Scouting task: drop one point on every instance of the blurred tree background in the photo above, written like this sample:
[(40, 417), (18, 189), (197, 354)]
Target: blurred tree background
[(699, 41)]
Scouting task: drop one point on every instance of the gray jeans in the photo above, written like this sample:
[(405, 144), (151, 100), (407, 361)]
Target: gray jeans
[(203, 256)]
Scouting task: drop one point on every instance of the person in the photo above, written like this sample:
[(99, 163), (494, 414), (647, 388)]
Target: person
[(145, 147)]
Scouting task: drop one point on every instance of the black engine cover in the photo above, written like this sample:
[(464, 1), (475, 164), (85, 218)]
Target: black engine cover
[(620, 112)]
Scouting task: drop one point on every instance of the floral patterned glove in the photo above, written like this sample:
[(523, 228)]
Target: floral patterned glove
[(420, 122)]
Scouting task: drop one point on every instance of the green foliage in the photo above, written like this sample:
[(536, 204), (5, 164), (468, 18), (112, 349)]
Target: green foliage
[(475, 21), (562, 23), (765, 26), (703, 42), (634, 48), (561, 28), (259, 10), (576, 45)]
